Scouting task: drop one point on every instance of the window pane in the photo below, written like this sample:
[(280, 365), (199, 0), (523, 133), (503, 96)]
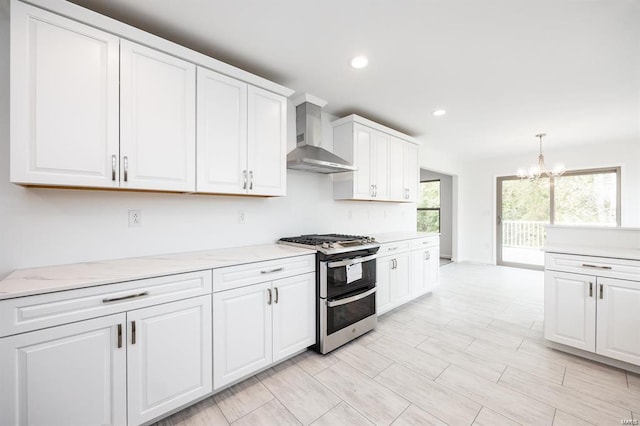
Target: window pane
[(586, 199), (429, 194), (428, 220), (525, 212)]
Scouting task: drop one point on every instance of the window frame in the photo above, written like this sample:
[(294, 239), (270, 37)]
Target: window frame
[(552, 206), (438, 209)]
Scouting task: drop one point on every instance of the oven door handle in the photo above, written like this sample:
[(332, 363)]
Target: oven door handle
[(334, 303), (349, 262)]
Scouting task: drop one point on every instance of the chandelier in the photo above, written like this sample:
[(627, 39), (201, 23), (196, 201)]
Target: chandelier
[(540, 170)]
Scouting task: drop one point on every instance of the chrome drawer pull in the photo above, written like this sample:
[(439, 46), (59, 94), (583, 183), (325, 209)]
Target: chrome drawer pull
[(270, 271), (131, 296), (601, 295), (276, 300), (586, 265), (119, 335), (133, 332), (244, 179), (590, 289), (392, 248), (113, 167), (270, 298), (126, 168)]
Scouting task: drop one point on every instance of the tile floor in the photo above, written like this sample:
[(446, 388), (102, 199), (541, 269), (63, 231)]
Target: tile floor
[(470, 354)]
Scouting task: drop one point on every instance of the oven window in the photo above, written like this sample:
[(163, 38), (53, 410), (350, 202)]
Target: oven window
[(343, 316), (337, 282)]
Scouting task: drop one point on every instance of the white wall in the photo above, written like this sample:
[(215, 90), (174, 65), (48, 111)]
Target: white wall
[(446, 209), (478, 194), (54, 226)]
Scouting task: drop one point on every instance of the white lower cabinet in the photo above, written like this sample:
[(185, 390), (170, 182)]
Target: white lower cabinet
[(168, 357), (259, 324), (426, 270), (595, 313), (618, 322), (570, 309), (394, 287), (106, 368), (67, 375)]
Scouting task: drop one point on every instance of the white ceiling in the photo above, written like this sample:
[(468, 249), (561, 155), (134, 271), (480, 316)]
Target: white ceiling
[(503, 69)]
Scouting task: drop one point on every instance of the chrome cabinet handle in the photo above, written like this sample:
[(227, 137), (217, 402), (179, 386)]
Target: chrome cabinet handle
[(126, 168), (133, 332), (251, 179), (113, 167), (392, 248), (427, 255), (587, 265), (119, 335), (590, 289), (269, 295), (350, 262), (244, 179), (130, 296), (276, 290), (334, 303), (601, 292), (371, 190), (375, 190), (270, 271)]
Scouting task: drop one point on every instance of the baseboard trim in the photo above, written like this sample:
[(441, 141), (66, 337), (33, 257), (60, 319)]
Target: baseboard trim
[(594, 357)]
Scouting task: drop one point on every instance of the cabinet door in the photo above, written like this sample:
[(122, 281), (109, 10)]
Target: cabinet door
[(362, 146), (411, 171), (400, 279), (432, 258), (242, 340), (64, 101), (396, 169), (383, 292), (169, 357), (157, 120), (419, 267), (67, 375), (570, 309), (267, 135), (618, 332), (221, 134), (380, 165), (294, 314)]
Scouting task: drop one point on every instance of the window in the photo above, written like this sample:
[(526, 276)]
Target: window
[(429, 206), (581, 197)]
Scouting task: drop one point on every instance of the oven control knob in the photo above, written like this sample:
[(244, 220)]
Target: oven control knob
[(326, 245)]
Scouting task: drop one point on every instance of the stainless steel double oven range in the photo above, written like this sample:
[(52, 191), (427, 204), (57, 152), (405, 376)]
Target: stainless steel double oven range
[(345, 286)]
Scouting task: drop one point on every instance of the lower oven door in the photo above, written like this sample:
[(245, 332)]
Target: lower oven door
[(343, 319)]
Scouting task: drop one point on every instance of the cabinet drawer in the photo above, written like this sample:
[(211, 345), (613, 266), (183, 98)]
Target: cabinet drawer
[(253, 273), (420, 243), (591, 265), (35, 312), (396, 247)]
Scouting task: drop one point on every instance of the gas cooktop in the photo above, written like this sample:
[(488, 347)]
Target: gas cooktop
[(331, 243)]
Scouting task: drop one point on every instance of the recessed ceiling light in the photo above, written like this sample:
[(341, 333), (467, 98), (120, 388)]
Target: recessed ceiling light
[(359, 62), (439, 113)]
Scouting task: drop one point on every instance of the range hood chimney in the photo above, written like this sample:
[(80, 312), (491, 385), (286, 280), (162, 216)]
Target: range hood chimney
[(308, 155)]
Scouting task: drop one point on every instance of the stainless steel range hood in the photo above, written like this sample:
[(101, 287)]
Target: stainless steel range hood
[(308, 155)]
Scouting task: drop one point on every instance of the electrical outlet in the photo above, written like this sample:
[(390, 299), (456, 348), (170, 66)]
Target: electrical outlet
[(135, 218), (242, 217)]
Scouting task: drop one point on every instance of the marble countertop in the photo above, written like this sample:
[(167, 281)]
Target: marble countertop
[(27, 282), (613, 252), (389, 237)]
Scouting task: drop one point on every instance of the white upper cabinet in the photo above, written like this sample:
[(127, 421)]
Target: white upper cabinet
[(267, 143), (404, 166), (91, 109), (157, 120), (385, 162), (241, 137), (64, 101), (221, 133)]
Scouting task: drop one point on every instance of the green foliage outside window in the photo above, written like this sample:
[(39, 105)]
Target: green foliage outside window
[(429, 206)]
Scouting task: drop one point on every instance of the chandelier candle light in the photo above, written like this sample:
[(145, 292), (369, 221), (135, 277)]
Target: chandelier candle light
[(540, 169)]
